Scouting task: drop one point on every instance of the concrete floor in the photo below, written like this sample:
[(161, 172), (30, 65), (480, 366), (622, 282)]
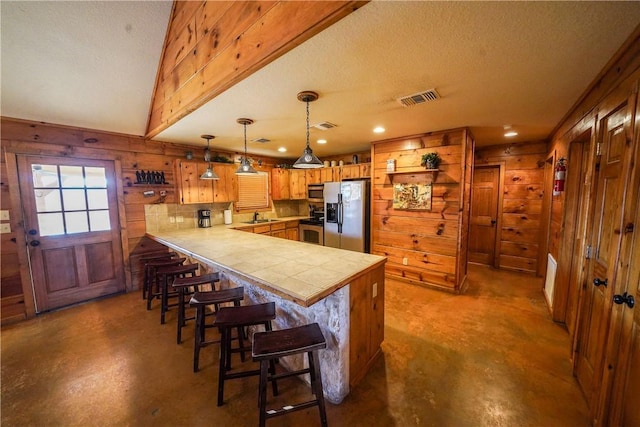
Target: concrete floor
[(491, 357)]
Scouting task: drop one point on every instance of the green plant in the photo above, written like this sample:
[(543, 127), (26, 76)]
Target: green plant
[(430, 160)]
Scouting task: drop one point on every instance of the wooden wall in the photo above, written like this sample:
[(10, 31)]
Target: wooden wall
[(131, 152), (212, 45), (434, 242), (522, 208)]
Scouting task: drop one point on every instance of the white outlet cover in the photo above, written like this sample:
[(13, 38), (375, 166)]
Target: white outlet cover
[(5, 228), (4, 215)]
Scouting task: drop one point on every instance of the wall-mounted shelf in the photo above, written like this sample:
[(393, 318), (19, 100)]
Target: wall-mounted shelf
[(432, 172)]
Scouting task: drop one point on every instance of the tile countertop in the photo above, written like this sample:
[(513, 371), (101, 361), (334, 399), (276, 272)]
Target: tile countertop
[(300, 272)]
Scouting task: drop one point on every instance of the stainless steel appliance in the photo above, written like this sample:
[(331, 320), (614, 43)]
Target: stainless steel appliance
[(346, 219), (315, 192), (311, 229), (204, 218)]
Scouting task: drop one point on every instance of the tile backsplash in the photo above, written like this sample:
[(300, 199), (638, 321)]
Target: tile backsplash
[(171, 216)]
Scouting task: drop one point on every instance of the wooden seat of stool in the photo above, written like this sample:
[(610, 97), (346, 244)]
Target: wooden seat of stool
[(146, 276), (167, 275), (184, 285), (154, 288), (201, 300), (228, 318), (285, 342)]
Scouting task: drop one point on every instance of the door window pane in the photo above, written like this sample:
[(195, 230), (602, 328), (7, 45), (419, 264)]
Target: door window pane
[(74, 200), (98, 199), (95, 177), (71, 176), (45, 175), (99, 220), (50, 224), (48, 200), (76, 222)]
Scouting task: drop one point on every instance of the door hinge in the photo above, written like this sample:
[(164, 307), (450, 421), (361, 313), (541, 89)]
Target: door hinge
[(587, 252)]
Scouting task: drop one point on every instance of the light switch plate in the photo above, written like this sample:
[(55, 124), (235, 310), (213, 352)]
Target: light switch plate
[(4, 215), (5, 228)]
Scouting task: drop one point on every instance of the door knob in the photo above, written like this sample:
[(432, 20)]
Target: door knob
[(624, 299), (599, 282), (493, 222), (33, 232), (34, 243)]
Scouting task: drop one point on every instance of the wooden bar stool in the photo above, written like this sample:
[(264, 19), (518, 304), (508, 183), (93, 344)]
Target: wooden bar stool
[(167, 275), (185, 287), (201, 300), (268, 346), (229, 318), (155, 290), (147, 275)]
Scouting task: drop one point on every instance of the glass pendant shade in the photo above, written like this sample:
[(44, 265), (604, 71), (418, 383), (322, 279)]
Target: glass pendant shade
[(308, 160), (209, 173), (245, 165)]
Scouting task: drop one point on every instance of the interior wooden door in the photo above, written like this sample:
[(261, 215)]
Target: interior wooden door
[(605, 239), (73, 230), (484, 214)]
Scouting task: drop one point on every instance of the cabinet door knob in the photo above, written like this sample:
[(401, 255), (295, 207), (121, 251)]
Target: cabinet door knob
[(599, 282)]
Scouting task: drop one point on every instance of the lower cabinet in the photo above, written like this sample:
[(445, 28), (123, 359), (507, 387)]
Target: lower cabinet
[(283, 229)]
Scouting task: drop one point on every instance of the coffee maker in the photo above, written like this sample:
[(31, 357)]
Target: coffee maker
[(204, 218)]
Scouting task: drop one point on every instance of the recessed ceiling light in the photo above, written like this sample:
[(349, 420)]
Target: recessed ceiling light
[(322, 141), (282, 150), (510, 134), (378, 129)]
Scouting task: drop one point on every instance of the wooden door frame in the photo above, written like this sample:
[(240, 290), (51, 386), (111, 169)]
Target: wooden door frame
[(17, 207), (501, 168)]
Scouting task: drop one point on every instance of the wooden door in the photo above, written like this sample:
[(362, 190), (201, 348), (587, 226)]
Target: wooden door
[(620, 388), (73, 230), (280, 184), (605, 239), (484, 215), (298, 184)]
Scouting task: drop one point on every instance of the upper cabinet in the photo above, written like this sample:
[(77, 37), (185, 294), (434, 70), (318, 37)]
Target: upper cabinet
[(191, 189), (298, 184), (226, 188), (280, 184)]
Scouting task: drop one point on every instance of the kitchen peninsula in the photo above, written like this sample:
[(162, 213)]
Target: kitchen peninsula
[(343, 291)]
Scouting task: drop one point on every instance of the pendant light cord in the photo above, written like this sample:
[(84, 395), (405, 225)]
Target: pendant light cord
[(307, 124)]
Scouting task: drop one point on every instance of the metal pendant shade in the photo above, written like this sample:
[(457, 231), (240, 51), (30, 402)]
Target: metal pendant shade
[(245, 166), (308, 160), (209, 173)]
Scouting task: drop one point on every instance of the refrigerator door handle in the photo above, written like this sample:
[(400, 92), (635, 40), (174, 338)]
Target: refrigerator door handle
[(340, 213)]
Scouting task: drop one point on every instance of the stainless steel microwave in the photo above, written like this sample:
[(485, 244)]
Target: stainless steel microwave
[(315, 192)]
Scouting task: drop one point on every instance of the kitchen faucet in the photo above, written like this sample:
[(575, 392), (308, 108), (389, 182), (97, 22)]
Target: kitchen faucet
[(255, 216)]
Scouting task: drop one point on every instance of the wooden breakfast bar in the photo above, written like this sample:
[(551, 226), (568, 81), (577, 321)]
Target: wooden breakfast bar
[(343, 291)]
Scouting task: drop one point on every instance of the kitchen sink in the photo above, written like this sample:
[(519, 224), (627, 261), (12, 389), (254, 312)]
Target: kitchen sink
[(258, 221)]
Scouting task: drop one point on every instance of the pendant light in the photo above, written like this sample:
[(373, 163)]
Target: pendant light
[(209, 173), (308, 160), (245, 166)]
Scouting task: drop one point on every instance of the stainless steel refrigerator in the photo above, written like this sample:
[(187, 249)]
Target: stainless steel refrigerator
[(346, 215)]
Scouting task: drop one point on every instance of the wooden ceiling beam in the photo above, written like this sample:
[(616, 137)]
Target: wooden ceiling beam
[(212, 45)]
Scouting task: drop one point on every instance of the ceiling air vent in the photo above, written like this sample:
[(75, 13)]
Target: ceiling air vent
[(325, 126), (261, 140), (419, 98)]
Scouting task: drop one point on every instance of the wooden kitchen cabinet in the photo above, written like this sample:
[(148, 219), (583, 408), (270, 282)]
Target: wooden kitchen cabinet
[(278, 230), (313, 176), (350, 172), (291, 230), (226, 188), (280, 187), (297, 184), (329, 174), (191, 189), (365, 170)]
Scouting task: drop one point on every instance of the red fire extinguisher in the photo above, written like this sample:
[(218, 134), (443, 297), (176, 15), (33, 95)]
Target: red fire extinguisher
[(559, 177)]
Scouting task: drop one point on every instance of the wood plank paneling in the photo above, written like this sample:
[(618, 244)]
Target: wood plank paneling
[(210, 46), (523, 192), (424, 247)]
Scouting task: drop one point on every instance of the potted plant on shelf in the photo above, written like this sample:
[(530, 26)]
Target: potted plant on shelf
[(430, 160)]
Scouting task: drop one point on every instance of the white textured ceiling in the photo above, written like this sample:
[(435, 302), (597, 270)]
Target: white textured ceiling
[(524, 64)]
